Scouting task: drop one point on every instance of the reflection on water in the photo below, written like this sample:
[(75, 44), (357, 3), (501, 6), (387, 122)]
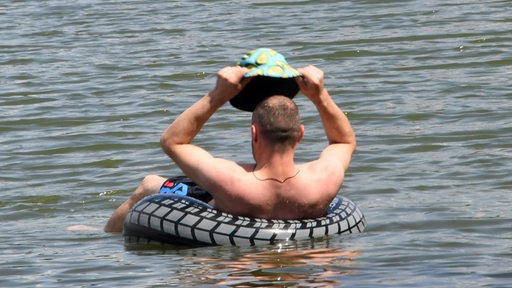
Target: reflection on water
[(316, 263), (289, 267), (281, 266)]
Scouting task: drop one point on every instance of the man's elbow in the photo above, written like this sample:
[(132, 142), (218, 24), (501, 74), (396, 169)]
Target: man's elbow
[(167, 145), (353, 143), (349, 142)]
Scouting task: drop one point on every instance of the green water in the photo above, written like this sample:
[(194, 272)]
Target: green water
[(88, 86)]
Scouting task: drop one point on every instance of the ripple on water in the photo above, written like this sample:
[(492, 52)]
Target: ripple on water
[(88, 86)]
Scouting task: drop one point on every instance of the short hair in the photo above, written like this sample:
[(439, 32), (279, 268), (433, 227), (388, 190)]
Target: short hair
[(278, 120)]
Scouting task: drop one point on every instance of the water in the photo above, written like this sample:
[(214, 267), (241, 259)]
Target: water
[(88, 86)]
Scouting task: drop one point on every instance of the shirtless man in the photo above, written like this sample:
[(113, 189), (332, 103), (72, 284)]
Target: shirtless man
[(275, 187)]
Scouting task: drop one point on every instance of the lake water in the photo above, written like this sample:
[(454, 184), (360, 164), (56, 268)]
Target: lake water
[(88, 86)]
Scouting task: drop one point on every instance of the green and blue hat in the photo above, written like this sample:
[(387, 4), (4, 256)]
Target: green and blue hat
[(271, 76)]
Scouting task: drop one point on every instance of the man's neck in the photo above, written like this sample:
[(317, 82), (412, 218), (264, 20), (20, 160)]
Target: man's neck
[(275, 165)]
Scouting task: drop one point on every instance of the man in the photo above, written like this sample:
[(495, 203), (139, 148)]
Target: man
[(274, 187)]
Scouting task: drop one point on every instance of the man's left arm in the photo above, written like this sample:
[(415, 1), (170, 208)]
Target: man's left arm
[(176, 139)]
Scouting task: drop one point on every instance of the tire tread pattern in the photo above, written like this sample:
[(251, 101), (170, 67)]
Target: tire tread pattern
[(176, 219)]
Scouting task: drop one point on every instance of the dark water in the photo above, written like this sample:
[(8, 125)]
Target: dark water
[(88, 86)]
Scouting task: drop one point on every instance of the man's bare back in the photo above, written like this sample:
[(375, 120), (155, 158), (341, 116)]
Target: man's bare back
[(302, 195)]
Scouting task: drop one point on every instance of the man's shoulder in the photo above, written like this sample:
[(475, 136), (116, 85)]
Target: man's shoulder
[(322, 179)]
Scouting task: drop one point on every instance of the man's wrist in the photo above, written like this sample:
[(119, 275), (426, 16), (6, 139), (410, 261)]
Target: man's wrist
[(322, 98), (216, 98)]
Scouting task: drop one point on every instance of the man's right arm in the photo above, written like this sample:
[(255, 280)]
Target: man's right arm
[(341, 137)]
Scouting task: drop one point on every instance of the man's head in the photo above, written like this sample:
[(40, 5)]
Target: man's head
[(277, 121)]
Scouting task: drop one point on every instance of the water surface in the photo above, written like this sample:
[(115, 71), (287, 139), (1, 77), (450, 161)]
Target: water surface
[(88, 87)]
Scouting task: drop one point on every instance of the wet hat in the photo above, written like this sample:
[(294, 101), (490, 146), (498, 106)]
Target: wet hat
[(271, 76)]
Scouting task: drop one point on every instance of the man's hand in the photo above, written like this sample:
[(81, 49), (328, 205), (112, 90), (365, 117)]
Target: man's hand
[(230, 81), (312, 82)]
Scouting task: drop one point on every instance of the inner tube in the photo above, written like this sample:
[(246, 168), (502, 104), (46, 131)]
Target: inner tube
[(182, 220)]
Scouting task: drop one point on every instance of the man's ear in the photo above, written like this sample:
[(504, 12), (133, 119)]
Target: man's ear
[(254, 134), (301, 133)]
